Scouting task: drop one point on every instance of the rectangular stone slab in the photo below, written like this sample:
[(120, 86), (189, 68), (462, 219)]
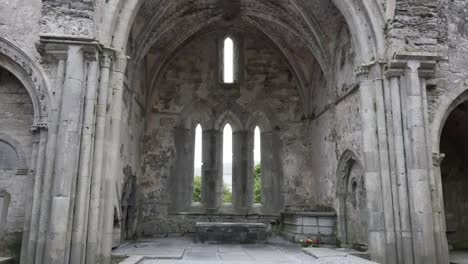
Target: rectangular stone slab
[(323, 252), (219, 232)]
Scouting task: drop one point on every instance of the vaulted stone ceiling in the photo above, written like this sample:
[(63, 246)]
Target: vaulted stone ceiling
[(306, 32)]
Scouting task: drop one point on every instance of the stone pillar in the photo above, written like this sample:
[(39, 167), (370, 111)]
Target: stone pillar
[(50, 163), (421, 240), (212, 170), (242, 171), (80, 222), (272, 172), (37, 184), (418, 168), (181, 181), (113, 168), (67, 156), (400, 171), (95, 196), (376, 218)]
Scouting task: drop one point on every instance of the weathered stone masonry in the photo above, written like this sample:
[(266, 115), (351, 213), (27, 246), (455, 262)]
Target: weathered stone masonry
[(361, 105)]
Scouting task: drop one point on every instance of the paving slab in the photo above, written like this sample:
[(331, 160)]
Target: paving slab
[(323, 252)]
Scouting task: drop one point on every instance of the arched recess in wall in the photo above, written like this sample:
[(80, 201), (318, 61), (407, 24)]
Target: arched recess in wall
[(12, 155), (351, 193), (30, 75), (450, 157)]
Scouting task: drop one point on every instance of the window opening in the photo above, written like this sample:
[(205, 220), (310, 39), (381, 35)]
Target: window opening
[(227, 164), (228, 62), (197, 164), (257, 166)]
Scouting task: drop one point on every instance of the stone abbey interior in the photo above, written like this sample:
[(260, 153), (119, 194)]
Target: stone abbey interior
[(238, 122)]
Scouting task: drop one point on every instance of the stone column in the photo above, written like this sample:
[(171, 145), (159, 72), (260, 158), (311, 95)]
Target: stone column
[(95, 196), (78, 242), (36, 201), (50, 163), (272, 172), (242, 171), (212, 170), (181, 181), (400, 171), (67, 157), (418, 168), (407, 73), (113, 168)]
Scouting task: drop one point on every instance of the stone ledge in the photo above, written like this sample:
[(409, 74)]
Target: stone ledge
[(6, 260), (248, 225)]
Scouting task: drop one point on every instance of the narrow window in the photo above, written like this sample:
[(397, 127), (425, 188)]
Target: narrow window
[(197, 165), (228, 62), (227, 164), (257, 167)]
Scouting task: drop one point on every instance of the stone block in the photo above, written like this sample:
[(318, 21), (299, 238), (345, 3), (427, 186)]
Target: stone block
[(310, 230), (293, 228), (293, 219), (327, 221), (325, 230), (309, 221), (231, 232)]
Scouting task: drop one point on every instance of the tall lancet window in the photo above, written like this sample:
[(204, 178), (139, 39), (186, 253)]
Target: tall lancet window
[(228, 60), (257, 166), (197, 164), (227, 164)]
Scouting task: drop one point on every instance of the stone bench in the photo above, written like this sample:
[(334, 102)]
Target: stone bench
[(243, 233)]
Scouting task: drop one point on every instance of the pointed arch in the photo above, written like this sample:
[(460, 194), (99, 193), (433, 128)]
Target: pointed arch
[(198, 112), (30, 75)]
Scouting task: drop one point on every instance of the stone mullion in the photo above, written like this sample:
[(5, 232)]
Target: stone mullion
[(272, 173), (212, 175), (67, 155), (181, 180), (242, 173)]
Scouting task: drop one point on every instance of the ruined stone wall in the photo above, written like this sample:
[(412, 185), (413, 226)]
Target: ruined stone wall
[(192, 75), (418, 26), (20, 22), (68, 17), (16, 117)]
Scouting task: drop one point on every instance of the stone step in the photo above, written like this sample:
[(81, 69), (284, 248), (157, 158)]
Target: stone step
[(6, 260)]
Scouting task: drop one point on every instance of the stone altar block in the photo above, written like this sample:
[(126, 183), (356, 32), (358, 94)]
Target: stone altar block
[(243, 233)]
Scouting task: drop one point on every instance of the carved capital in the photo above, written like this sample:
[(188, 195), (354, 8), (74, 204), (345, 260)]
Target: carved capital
[(106, 58), (422, 62), (56, 46), (437, 158)]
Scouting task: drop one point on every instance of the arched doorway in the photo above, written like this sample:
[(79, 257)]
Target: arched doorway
[(454, 174)]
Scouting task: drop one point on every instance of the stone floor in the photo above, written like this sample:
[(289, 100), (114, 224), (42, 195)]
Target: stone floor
[(184, 251), (459, 257)]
